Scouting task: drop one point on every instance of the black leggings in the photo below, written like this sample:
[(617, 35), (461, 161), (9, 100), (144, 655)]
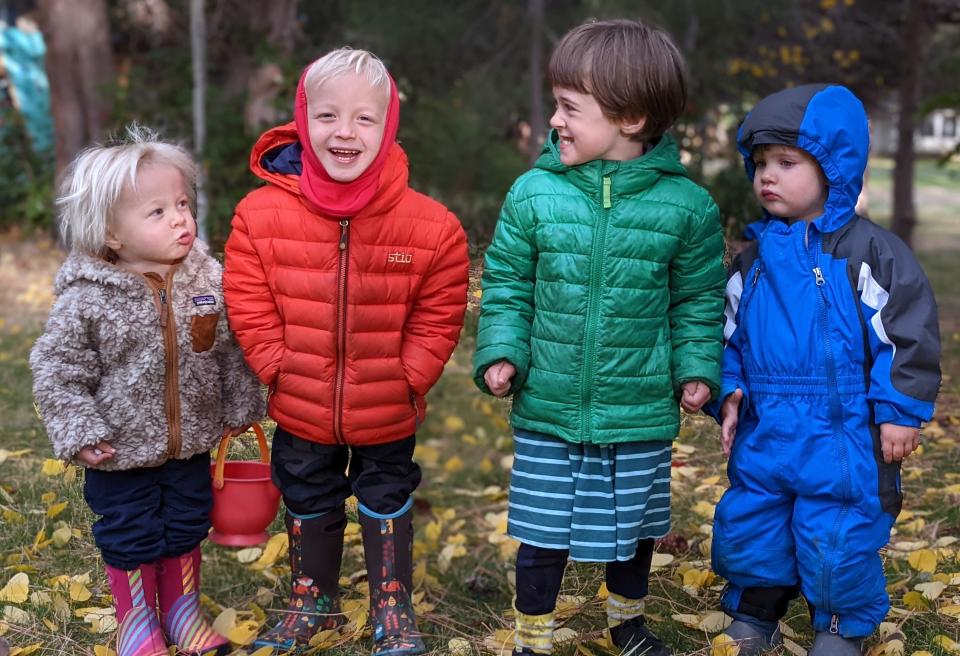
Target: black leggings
[(540, 573)]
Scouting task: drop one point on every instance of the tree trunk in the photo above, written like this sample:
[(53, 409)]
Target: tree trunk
[(537, 123), (913, 40), (80, 69), (198, 60)]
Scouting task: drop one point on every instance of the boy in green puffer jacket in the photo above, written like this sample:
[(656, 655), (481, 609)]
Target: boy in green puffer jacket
[(602, 305)]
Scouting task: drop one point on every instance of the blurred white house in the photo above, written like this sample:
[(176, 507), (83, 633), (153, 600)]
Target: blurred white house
[(936, 135)]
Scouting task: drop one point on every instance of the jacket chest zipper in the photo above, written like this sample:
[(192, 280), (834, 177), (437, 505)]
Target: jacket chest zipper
[(746, 298), (836, 411), (171, 388), (593, 302), (342, 270)]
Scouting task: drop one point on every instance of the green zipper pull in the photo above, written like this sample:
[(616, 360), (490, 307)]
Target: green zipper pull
[(606, 192)]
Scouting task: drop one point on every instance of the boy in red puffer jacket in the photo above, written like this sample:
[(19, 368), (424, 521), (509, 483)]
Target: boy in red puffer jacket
[(347, 291)]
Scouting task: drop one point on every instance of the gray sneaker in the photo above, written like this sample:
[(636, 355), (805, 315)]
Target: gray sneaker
[(750, 640), (833, 644)]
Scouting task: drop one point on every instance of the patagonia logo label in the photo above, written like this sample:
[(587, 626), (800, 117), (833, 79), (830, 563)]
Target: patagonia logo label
[(400, 258), (207, 299)]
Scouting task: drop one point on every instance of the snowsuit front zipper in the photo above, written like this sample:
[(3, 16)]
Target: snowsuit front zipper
[(836, 408)]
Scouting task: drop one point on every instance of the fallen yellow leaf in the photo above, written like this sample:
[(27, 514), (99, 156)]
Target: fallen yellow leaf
[(248, 555), (453, 424), (79, 591), (930, 590), (660, 560), (724, 645), (275, 549), (915, 600), (17, 589), (15, 615), (715, 621), (53, 467), (946, 644), (263, 651), (225, 621), (704, 508), (428, 455), (244, 632), (923, 560), (62, 536), (325, 639), (501, 642)]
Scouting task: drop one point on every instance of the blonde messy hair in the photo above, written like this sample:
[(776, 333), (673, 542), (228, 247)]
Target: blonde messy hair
[(93, 182), (363, 63)]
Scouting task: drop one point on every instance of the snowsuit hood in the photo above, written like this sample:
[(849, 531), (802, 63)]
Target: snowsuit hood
[(828, 122)]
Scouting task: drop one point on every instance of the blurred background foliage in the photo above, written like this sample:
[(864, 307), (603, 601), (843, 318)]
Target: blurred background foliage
[(475, 106)]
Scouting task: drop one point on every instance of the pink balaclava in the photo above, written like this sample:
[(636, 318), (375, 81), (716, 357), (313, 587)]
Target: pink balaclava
[(326, 194)]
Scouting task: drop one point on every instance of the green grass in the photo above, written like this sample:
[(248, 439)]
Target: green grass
[(465, 449), (937, 199), (472, 596)]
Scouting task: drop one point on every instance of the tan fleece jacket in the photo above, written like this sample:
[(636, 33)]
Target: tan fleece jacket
[(147, 364)]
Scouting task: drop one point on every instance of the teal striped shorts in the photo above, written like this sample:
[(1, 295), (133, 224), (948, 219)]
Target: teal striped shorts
[(595, 500)]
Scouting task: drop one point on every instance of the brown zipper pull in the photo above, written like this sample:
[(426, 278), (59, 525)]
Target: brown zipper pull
[(162, 294)]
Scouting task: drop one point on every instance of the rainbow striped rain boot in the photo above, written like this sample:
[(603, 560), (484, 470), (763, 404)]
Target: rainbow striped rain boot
[(178, 588), (135, 598)]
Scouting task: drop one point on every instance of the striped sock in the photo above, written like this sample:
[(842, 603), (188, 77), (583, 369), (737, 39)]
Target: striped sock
[(622, 609), (534, 632)]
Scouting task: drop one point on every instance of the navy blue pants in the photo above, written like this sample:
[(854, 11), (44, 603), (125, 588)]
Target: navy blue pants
[(151, 512), (315, 480)]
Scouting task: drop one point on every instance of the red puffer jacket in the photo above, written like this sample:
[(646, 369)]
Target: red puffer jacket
[(349, 321)]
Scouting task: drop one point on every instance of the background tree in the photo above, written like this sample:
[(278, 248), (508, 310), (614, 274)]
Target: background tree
[(472, 77), (80, 68)]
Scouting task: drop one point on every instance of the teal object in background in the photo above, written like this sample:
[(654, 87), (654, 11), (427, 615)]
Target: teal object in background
[(21, 55)]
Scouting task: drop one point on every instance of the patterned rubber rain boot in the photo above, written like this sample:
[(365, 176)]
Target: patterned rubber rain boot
[(534, 634), (388, 551), (316, 551), (178, 592), (135, 598), (628, 628)]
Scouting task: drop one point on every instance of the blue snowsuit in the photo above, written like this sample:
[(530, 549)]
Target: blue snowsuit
[(831, 330)]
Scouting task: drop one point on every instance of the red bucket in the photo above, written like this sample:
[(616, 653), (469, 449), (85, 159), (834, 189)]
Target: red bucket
[(245, 500)]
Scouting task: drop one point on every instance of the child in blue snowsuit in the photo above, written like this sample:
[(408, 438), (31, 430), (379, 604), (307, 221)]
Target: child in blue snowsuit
[(831, 364)]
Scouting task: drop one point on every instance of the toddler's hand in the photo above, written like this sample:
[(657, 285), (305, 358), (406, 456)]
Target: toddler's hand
[(498, 377), (729, 417), (96, 454), (898, 442), (695, 394), (233, 431)]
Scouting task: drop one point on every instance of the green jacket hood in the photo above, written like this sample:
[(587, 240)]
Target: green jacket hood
[(632, 175)]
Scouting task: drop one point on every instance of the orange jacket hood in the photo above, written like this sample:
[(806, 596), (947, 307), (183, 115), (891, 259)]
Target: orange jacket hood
[(393, 179)]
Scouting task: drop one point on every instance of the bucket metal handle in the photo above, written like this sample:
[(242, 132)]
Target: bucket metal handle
[(225, 446)]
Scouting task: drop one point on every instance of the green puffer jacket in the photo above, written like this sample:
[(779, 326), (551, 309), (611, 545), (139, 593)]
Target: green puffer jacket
[(604, 288)]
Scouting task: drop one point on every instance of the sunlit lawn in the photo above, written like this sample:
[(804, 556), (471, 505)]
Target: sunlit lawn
[(464, 559)]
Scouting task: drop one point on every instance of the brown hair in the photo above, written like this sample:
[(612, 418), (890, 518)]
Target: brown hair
[(632, 69)]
